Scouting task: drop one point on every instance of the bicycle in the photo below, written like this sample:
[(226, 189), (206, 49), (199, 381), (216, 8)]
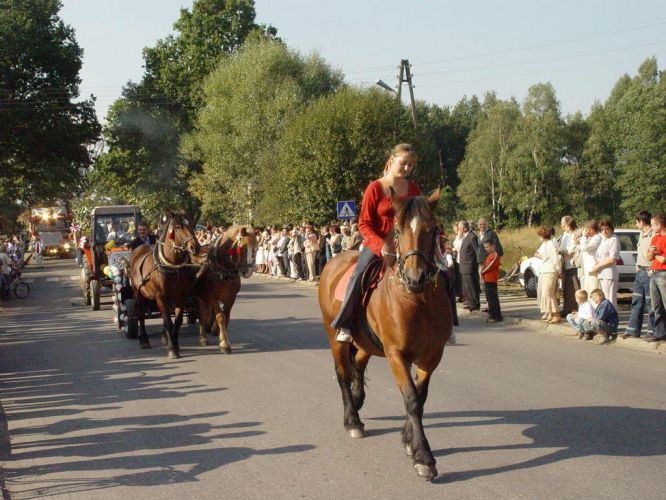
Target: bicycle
[(18, 287), (513, 274)]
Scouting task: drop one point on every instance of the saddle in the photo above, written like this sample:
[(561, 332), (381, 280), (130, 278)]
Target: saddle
[(369, 281)]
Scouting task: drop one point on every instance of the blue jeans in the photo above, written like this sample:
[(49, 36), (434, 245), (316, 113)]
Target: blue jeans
[(576, 323), (599, 326), (640, 302), (658, 295)]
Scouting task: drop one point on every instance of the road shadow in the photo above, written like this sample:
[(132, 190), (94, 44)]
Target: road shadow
[(576, 431), (73, 389)]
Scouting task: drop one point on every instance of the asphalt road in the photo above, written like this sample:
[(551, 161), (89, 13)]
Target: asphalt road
[(511, 413)]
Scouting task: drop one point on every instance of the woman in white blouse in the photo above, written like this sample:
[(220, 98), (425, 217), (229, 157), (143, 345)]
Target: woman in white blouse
[(589, 243), (607, 256), (548, 274)]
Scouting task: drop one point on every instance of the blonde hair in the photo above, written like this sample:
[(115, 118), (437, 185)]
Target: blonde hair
[(581, 294), (597, 292), (400, 149)]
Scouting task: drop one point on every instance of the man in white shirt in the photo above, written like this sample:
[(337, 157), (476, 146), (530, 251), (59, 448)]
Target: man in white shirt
[(5, 271)]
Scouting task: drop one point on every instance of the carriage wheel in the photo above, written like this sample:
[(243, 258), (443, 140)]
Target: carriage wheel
[(131, 324), (21, 289), (94, 295)]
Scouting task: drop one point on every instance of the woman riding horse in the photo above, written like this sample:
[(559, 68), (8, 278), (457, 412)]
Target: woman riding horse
[(228, 258), (166, 275), (408, 317), (376, 226)]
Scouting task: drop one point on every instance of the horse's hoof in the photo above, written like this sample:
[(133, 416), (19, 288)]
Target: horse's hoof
[(144, 345), (225, 349), (203, 342), (427, 472), (356, 433), (173, 355), (408, 450)]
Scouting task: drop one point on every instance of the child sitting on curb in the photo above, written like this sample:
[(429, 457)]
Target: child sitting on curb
[(585, 312), (605, 320)]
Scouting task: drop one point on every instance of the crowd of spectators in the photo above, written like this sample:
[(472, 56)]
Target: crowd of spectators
[(12, 254), (583, 264)]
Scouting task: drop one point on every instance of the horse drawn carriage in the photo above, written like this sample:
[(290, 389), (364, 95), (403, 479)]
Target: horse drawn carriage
[(106, 251)]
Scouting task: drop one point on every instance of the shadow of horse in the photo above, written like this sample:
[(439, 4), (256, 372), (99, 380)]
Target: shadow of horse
[(576, 431)]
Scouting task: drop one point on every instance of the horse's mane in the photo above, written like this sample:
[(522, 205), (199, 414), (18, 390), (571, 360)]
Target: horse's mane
[(416, 206)]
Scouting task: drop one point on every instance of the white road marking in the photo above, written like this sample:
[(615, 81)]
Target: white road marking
[(55, 278), (74, 278)]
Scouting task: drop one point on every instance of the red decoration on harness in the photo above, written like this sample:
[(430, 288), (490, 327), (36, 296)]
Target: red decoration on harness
[(234, 251), (170, 234)]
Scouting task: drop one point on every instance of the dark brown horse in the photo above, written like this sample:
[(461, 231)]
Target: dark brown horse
[(229, 257), (410, 315), (166, 275)]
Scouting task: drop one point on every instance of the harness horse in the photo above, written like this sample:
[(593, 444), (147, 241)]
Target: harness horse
[(165, 274), (411, 317), (228, 258)]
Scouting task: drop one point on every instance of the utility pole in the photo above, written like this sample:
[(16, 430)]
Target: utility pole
[(405, 76)]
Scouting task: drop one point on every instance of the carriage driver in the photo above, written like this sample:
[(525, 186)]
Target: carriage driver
[(144, 238)]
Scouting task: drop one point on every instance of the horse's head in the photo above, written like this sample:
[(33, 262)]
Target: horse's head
[(178, 233), (245, 243), (416, 244)]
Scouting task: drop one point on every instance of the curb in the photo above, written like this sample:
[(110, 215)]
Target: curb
[(562, 330)]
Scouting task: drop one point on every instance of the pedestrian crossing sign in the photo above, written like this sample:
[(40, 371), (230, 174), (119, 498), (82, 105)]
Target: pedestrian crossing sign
[(346, 209)]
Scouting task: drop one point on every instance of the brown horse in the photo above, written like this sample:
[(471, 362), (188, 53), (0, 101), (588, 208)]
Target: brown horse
[(410, 315), (228, 258), (166, 275)]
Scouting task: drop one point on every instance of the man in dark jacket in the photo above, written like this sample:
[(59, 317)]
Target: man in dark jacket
[(144, 238), (469, 267)]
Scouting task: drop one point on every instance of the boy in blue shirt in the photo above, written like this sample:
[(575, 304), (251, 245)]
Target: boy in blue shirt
[(605, 320)]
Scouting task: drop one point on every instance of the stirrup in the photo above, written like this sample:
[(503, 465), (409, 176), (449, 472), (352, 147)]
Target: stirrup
[(344, 335)]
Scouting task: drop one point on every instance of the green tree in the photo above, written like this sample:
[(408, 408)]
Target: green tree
[(640, 143), (484, 173), (45, 129), (249, 99), (330, 152), (144, 164), (536, 161)]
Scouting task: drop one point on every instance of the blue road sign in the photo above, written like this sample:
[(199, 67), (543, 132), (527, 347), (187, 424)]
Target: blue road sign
[(346, 209)]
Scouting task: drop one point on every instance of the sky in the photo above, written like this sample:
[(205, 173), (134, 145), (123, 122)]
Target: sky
[(455, 48)]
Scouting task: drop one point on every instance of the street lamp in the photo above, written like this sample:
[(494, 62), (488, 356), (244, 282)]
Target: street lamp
[(385, 85)]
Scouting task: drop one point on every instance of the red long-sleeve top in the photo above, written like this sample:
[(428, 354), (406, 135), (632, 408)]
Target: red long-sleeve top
[(375, 222)]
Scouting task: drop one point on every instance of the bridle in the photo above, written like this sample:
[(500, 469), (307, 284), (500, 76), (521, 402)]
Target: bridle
[(432, 269)]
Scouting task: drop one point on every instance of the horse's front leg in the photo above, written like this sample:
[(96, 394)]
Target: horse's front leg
[(167, 324), (222, 320), (414, 398), (204, 318), (140, 312), (178, 321)]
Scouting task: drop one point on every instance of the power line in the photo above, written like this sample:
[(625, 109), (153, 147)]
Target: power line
[(564, 41)]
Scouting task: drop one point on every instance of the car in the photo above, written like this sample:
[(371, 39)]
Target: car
[(529, 269)]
